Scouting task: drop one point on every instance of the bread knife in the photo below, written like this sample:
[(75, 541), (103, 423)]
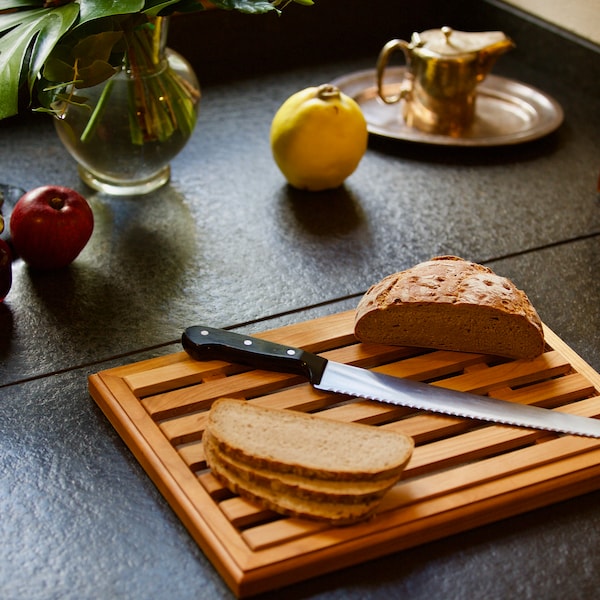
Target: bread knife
[(207, 343)]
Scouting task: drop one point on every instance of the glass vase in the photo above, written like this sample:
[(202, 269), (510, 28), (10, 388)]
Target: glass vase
[(124, 132)]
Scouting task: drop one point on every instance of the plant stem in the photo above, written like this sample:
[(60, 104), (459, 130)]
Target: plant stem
[(96, 116)]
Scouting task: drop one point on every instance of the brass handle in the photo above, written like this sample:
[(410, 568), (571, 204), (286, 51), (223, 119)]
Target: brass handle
[(382, 61)]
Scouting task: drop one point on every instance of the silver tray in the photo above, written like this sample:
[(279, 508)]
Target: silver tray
[(507, 111)]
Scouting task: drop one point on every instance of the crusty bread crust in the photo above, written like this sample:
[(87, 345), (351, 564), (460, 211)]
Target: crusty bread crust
[(451, 304), (310, 446)]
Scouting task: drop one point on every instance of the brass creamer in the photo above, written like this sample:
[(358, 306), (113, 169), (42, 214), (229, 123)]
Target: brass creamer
[(443, 69)]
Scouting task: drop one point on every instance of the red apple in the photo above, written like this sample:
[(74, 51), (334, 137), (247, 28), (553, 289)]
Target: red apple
[(5, 269), (50, 226)]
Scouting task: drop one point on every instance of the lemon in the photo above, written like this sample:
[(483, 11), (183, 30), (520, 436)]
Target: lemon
[(318, 137)]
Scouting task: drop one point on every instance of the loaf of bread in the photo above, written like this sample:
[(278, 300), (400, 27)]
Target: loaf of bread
[(303, 465), (451, 304)]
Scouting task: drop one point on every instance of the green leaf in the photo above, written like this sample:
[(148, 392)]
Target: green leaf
[(164, 7), (37, 31), (246, 6), (94, 73), (96, 47), (57, 69), (13, 19), (98, 9), (87, 62), (155, 7), (20, 4)]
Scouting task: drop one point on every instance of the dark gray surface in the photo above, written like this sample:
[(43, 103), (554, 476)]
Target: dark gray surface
[(228, 243)]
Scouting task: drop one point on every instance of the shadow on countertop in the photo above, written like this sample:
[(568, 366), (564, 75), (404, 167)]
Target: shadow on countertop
[(471, 155)]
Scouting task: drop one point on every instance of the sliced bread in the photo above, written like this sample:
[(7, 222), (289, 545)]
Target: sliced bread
[(309, 488), (310, 446), (451, 304), (302, 465), (336, 513)]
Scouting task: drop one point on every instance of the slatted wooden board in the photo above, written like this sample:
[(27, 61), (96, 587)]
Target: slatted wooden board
[(463, 473)]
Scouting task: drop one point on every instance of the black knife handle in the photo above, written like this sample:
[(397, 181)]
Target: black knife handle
[(208, 343)]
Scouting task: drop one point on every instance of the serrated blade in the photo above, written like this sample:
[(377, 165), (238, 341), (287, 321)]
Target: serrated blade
[(371, 385)]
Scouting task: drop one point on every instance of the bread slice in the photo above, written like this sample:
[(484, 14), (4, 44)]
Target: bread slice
[(451, 304), (335, 513), (308, 488), (292, 442), (302, 465)]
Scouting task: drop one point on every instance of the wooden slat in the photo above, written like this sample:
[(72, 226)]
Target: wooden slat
[(253, 383), (173, 376), (518, 372), (462, 472)]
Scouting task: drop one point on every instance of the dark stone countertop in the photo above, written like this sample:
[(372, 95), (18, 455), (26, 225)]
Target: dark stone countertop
[(227, 242)]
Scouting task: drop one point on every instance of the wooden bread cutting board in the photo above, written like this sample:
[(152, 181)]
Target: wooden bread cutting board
[(463, 473)]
